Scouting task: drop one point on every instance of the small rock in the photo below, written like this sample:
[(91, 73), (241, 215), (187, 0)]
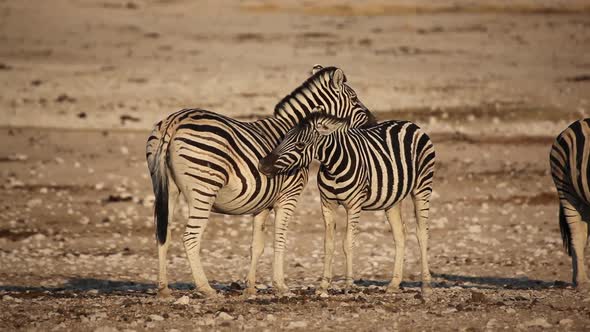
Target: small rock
[(18, 157), (156, 318), (566, 322), (183, 300), (270, 318), (540, 322), (224, 316), (492, 323), (34, 202), (124, 150), (297, 325), (477, 297), (65, 98), (106, 329)]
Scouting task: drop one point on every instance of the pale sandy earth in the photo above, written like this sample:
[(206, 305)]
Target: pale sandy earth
[(82, 81)]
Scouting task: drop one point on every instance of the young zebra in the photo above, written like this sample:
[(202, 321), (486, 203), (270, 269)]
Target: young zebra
[(211, 159), (570, 170), (372, 168)]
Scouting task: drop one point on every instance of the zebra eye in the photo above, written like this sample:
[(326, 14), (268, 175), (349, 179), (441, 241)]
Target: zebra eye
[(299, 145)]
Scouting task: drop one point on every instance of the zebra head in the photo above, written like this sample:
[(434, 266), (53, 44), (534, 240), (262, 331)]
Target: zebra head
[(326, 87), (298, 148)]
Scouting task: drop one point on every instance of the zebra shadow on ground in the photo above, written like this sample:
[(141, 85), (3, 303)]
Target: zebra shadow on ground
[(444, 280), (86, 285), (105, 286)]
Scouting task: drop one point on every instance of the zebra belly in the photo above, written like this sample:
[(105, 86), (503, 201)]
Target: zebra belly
[(375, 195), (229, 200)]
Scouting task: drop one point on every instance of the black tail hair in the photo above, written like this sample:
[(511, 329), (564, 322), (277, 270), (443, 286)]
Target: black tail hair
[(566, 233), (160, 184)]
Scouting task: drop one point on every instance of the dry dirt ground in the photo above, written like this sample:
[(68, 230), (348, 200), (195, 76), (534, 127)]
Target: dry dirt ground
[(81, 82)]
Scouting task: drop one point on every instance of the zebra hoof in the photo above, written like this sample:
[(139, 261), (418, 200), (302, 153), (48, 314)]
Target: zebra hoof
[(280, 288), (322, 292), (164, 293), (250, 291), (426, 290), (208, 293), (392, 289)]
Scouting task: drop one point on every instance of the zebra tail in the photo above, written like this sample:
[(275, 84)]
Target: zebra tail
[(566, 234), (157, 164)]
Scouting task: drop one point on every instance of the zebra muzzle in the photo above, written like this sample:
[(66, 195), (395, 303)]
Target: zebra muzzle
[(267, 166)]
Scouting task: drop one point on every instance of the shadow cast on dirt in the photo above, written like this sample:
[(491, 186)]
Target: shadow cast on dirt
[(497, 282), (473, 282), (92, 284), (441, 280)]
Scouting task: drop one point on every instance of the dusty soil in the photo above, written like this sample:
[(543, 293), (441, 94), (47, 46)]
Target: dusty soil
[(81, 87)]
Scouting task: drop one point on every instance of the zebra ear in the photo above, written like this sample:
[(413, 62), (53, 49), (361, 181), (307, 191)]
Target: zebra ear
[(316, 68), (319, 109), (326, 128), (338, 79)]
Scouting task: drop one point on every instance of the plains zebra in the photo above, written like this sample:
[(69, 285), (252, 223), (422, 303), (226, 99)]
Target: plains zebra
[(211, 159), (372, 168), (570, 170)]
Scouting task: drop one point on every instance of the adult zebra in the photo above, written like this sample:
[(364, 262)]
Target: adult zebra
[(211, 159), (371, 168), (570, 170)]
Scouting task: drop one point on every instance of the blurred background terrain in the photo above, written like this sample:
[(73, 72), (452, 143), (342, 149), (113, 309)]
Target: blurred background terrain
[(82, 82)]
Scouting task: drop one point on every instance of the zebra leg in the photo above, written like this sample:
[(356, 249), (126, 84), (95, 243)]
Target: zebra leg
[(421, 207), (350, 242), (282, 216), (328, 210), (398, 228), (579, 237), (256, 249), (163, 290), (200, 202)]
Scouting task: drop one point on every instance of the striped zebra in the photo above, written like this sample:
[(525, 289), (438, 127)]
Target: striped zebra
[(212, 160), (371, 168), (570, 170)]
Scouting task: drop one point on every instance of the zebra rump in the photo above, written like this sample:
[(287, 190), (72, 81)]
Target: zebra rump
[(570, 172)]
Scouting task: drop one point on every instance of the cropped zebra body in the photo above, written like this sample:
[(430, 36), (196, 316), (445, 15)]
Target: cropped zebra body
[(379, 166), (372, 168), (570, 169), (212, 160)]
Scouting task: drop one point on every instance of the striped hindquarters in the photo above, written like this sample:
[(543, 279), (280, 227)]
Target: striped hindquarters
[(570, 172), (424, 164), (413, 158)]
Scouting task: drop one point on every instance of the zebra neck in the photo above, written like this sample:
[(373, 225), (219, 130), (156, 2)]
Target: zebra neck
[(299, 104), (273, 128), (335, 152)]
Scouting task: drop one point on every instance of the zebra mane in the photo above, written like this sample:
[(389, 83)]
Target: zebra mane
[(319, 115), (281, 109)]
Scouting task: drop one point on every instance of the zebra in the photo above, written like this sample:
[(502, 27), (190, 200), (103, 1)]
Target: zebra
[(570, 170), (369, 168), (211, 159)]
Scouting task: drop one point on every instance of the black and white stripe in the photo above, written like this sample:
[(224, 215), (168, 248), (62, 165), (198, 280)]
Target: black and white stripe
[(570, 170), (371, 168), (212, 160)]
